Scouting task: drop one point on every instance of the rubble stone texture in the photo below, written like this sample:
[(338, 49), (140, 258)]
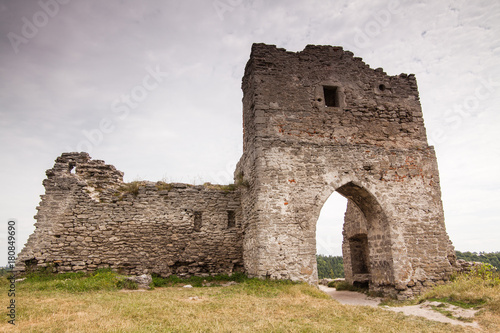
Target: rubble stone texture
[(90, 219), (320, 121), (315, 122)]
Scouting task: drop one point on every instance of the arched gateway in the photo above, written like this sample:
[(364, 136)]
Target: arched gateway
[(315, 122), (319, 121)]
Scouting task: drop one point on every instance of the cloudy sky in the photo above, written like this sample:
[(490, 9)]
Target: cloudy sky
[(153, 87)]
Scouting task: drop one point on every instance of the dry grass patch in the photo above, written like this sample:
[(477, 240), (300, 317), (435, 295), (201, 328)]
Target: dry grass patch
[(473, 290), (251, 306), (478, 289)]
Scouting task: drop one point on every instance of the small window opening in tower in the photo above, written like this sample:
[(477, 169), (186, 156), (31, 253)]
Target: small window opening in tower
[(381, 87), (71, 168), (231, 219), (331, 96), (197, 221)]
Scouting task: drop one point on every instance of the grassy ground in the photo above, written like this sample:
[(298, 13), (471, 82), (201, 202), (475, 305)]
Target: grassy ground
[(74, 303), (479, 289)]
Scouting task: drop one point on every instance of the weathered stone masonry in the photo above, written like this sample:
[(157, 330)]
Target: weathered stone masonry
[(90, 219), (320, 121), (315, 122)]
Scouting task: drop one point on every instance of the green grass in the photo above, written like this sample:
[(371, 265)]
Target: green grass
[(106, 279), (102, 279), (127, 284), (77, 302), (463, 304), (253, 305), (479, 288), (442, 308), (196, 281), (343, 285)]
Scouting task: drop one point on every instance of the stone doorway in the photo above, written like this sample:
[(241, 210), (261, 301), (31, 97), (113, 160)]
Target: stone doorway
[(366, 245)]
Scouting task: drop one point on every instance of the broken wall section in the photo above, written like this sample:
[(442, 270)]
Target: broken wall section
[(89, 218)]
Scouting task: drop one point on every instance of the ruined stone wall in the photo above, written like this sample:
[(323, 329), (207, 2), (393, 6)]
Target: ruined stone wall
[(88, 219), (315, 122), (368, 143)]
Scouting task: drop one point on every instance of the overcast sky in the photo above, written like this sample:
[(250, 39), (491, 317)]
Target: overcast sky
[(154, 88)]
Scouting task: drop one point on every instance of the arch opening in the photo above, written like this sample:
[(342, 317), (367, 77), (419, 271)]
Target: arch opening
[(329, 226), (366, 243)]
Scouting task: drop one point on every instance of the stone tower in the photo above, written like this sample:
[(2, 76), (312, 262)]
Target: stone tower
[(319, 121), (315, 122)]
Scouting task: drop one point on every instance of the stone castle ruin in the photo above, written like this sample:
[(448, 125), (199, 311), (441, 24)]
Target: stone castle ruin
[(315, 122)]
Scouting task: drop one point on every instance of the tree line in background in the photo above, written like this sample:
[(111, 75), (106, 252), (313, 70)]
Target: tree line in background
[(333, 266), (330, 266), (492, 258)]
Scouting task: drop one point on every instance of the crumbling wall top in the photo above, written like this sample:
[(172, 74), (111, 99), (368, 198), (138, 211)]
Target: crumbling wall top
[(324, 94), (96, 172)]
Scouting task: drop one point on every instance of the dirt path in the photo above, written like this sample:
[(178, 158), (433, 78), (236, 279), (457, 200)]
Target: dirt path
[(421, 310)]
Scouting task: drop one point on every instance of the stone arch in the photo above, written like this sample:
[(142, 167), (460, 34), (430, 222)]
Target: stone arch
[(367, 250), (368, 142)]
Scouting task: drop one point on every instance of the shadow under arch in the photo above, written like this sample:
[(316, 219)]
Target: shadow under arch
[(366, 248)]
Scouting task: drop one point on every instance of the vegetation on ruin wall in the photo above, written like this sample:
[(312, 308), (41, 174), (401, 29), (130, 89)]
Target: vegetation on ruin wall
[(133, 187), (164, 186), (330, 267), (492, 258), (240, 182)]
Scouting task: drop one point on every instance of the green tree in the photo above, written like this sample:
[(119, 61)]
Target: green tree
[(492, 258), (330, 266)]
